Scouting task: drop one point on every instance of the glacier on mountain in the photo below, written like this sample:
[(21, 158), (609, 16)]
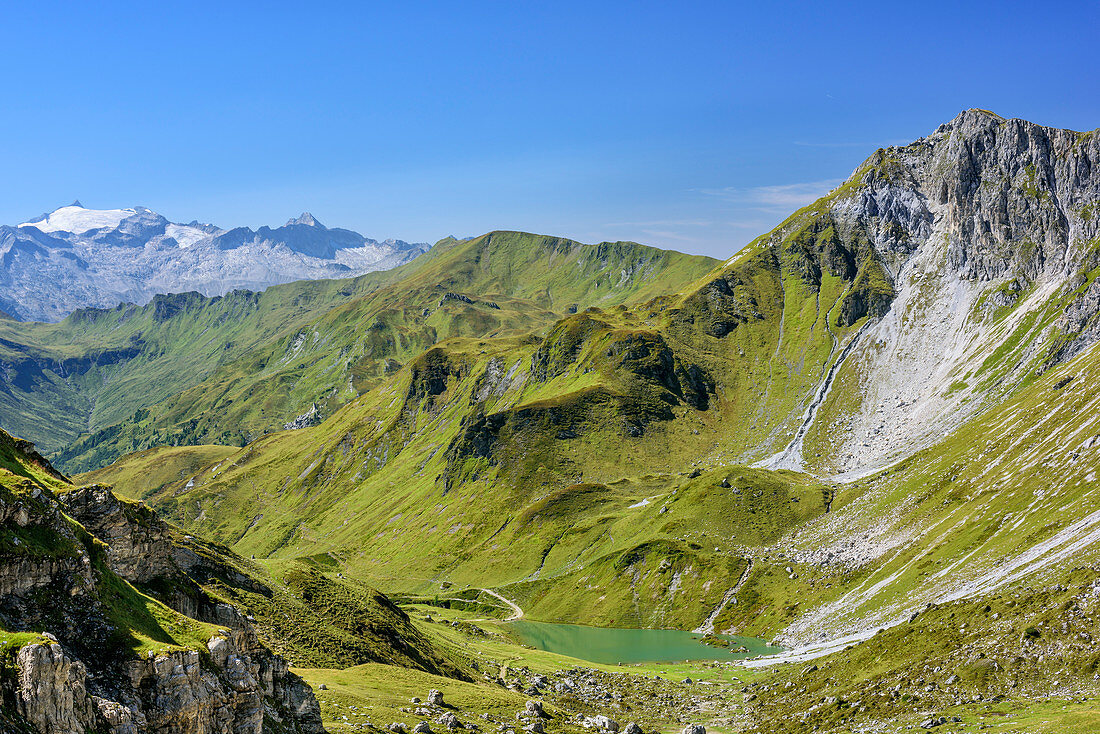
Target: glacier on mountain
[(75, 257)]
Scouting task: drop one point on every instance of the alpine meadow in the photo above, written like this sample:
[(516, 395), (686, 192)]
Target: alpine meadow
[(842, 476)]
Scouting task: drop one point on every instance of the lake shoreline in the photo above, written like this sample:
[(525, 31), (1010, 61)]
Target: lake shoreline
[(610, 645)]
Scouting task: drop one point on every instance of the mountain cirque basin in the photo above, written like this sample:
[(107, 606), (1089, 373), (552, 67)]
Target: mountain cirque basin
[(871, 437)]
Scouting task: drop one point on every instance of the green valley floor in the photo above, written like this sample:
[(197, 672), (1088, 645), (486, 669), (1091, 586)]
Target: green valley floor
[(659, 697)]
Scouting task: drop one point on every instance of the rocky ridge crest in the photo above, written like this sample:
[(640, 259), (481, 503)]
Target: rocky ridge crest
[(953, 245)]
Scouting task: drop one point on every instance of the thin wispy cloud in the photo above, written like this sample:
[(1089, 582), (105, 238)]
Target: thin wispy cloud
[(731, 214), (781, 198)]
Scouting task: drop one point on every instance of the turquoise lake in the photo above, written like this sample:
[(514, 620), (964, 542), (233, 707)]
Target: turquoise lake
[(610, 645)]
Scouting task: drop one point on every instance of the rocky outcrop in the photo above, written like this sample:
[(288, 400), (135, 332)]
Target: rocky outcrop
[(431, 373), (455, 297), (1013, 192), (310, 418), (234, 692), (728, 301), (70, 578), (51, 694), (248, 684), (139, 546), (1079, 325)]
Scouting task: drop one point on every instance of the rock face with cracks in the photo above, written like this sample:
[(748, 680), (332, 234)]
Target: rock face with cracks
[(954, 245), (85, 675)]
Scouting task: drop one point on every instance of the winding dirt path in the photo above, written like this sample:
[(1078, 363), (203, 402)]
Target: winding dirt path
[(517, 613)]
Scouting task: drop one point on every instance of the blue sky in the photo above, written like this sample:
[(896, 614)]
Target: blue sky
[(694, 126)]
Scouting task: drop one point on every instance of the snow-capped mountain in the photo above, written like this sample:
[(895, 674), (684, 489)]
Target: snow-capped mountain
[(75, 257)]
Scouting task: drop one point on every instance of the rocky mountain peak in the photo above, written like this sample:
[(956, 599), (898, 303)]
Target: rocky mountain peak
[(933, 239), (971, 119), (1009, 197), (306, 219), (1017, 195), (74, 257)]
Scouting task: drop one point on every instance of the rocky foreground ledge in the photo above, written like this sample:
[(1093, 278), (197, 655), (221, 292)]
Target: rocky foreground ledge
[(227, 691), (85, 651)]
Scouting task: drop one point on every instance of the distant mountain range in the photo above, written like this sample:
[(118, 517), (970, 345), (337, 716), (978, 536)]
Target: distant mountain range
[(75, 257)]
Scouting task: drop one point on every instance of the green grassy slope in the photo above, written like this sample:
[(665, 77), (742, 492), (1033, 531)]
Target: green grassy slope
[(297, 610), (461, 445), (970, 570), (99, 366), (190, 370), (148, 471), (403, 475), (308, 614), (1011, 495)]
